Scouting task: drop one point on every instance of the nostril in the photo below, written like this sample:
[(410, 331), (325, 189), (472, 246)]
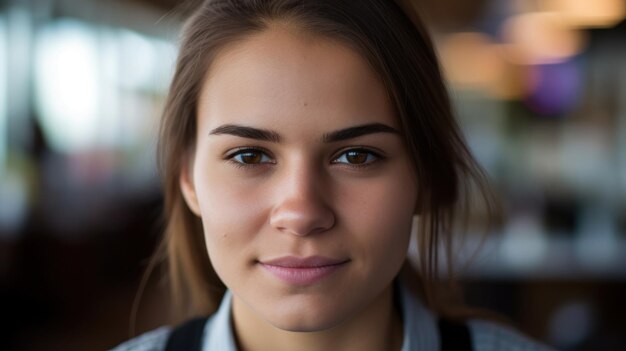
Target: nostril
[(299, 220)]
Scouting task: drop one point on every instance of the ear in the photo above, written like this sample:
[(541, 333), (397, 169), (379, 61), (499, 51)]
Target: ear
[(187, 186)]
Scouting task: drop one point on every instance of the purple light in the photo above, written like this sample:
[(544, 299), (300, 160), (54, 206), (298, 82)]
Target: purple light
[(555, 88)]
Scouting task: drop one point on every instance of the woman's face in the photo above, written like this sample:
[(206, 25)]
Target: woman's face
[(305, 189)]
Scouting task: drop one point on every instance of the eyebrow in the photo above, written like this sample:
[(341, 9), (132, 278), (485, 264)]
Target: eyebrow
[(247, 132), (357, 131), (272, 136)]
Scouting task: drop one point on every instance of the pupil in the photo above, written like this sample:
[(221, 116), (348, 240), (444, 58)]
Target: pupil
[(356, 157), (251, 157)]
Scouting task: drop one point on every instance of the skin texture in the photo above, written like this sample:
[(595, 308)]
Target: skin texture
[(302, 196)]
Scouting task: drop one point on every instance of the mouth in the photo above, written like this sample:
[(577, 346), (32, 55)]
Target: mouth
[(303, 271)]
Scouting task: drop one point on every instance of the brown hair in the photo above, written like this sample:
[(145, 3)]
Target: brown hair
[(393, 40)]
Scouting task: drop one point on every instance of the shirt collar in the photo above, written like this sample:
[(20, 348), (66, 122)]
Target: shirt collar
[(419, 323), (218, 331)]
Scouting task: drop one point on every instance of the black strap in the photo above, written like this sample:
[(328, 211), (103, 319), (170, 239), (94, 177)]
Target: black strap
[(187, 336), (454, 336)]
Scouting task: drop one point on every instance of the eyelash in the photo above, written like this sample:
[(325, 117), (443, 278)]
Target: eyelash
[(230, 157), (360, 149)]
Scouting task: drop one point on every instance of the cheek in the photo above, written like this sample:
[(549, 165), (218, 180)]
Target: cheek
[(381, 217), (230, 226), (231, 216), (226, 201)]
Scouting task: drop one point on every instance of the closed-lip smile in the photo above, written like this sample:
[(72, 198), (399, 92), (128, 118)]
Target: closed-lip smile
[(302, 271)]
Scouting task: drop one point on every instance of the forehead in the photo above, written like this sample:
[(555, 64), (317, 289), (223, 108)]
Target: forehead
[(282, 78)]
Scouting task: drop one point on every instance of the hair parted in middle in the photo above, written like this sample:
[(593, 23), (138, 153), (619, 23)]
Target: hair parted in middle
[(391, 38)]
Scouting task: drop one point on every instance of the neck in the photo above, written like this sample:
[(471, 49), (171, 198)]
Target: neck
[(377, 327)]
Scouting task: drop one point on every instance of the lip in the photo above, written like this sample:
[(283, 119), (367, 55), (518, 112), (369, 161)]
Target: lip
[(303, 271)]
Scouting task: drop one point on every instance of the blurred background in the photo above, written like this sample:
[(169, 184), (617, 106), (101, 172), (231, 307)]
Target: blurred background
[(539, 87)]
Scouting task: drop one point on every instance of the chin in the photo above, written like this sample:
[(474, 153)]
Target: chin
[(306, 320), (305, 326)]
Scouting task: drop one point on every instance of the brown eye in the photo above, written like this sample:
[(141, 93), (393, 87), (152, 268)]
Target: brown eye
[(250, 157), (357, 157)]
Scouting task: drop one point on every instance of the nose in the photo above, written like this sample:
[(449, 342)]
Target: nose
[(300, 208)]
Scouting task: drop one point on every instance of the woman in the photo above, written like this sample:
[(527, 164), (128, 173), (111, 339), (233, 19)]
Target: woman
[(299, 141)]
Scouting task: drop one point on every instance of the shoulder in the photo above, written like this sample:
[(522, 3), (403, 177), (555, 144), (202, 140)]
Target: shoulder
[(154, 340), (487, 336)]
